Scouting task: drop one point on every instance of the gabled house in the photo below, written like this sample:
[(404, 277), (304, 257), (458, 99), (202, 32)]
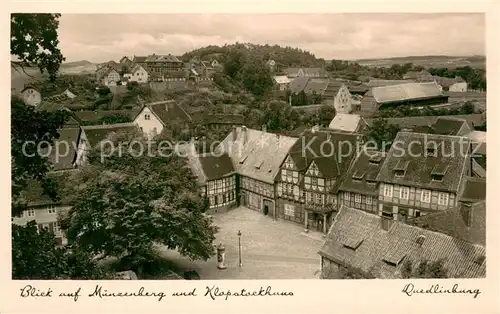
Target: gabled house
[(419, 76), (337, 94), (92, 136), (31, 95), (351, 123), (456, 84), (361, 243), (282, 82), (137, 74), (422, 174), (359, 189), (256, 157), (450, 126), (110, 77), (126, 61), (154, 117), (216, 177), (311, 174), (306, 72), (43, 209)]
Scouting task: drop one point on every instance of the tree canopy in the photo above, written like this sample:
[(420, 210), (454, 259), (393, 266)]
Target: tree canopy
[(124, 205), (34, 40), (382, 133)]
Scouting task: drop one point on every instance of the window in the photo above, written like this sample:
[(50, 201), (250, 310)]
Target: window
[(321, 182), (289, 210), (357, 198), (147, 117), (417, 213), (29, 213), (347, 196), (319, 199), (404, 193), (56, 227), (443, 199), (425, 196), (314, 181), (51, 210), (368, 200), (388, 190)]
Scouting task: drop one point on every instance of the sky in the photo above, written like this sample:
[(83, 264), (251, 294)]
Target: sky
[(103, 37)]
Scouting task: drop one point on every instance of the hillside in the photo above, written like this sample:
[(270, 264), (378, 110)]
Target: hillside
[(283, 56), (428, 61)]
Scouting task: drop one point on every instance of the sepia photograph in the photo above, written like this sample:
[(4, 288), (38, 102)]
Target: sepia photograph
[(248, 146)]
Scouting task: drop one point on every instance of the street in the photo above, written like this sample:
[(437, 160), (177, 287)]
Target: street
[(270, 249)]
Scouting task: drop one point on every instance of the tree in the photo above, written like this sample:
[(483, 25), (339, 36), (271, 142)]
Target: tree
[(382, 133), (326, 114), (26, 161), (35, 255), (278, 117), (124, 205), (34, 40), (424, 269)]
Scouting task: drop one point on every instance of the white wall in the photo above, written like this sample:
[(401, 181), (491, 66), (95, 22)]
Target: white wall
[(42, 216), (458, 87), (148, 126), (32, 97), (343, 100)]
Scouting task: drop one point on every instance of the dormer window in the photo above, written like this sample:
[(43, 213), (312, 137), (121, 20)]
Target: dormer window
[(438, 172), (358, 176), (401, 167), (431, 150)]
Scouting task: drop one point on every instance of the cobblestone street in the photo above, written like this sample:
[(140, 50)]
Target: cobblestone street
[(270, 249)]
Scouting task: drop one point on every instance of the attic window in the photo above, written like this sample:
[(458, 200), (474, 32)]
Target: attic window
[(352, 243), (358, 176), (420, 240), (431, 151), (438, 172), (375, 160), (242, 160), (479, 259), (401, 167), (259, 164)]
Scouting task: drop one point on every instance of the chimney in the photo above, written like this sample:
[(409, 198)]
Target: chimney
[(264, 128), (234, 133), (466, 213), (386, 223)]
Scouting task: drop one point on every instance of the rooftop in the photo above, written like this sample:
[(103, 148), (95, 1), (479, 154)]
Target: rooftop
[(357, 240), (407, 91), (97, 133), (345, 122), (361, 177)]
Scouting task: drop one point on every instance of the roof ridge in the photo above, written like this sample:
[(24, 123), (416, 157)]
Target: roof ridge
[(107, 126)]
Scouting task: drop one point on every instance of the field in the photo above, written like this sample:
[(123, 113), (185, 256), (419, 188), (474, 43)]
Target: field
[(428, 61)]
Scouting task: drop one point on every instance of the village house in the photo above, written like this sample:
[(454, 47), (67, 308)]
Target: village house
[(282, 82), (344, 122), (31, 96), (256, 157), (109, 77), (45, 211), (422, 174), (310, 176), (92, 135), (419, 76), (216, 178), (306, 72), (359, 189), (223, 122), (467, 221), (161, 65), (154, 117), (362, 243), (137, 74), (125, 61), (456, 84), (409, 94)]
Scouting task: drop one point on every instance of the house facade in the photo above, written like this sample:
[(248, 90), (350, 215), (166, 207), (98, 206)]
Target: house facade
[(31, 96), (154, 117), (137, 74), (306, 72), (256, 156), (110, 77), (310, 176), (338, 95), (426, 178)]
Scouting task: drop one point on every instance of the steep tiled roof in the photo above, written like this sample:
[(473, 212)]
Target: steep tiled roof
[(453, 222), (474, 190), (168, 111), (94, 116), (162, 58), (356, 240), (408, 91), (139, 59), (332, 89), (256, 154), (97, 133), (66, 143), (380, 82), (317, 86), (410, 122), (448, 126), (298, 84), (362, 174), (215, 166), (346, 122), (409, 153)]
